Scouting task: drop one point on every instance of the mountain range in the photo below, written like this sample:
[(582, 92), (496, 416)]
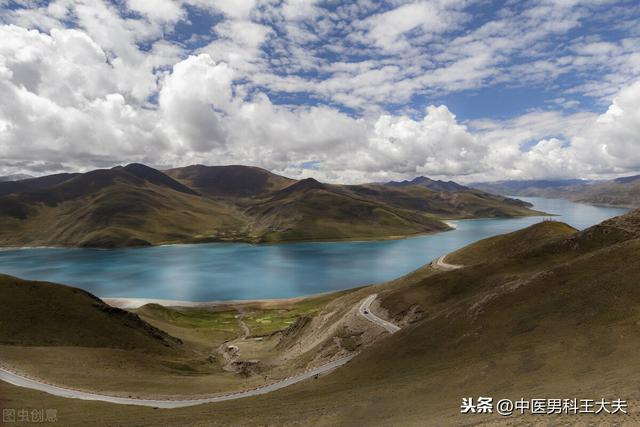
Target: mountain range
[(436, 185), (136, 205), (623, 191), (15, 177)]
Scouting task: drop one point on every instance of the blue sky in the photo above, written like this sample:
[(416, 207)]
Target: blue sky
[(359, 90)]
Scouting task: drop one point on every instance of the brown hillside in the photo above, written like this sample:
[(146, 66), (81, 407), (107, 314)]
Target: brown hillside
[(47, 314)]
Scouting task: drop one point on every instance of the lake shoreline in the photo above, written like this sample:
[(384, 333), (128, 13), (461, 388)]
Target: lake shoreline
[(215, 275), (238, 241), (449, 222), (133, 303)]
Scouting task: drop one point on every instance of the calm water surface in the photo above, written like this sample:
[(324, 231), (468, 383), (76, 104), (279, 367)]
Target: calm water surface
[(224, 271)]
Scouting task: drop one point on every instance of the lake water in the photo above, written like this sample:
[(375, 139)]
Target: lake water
[(225, 271)]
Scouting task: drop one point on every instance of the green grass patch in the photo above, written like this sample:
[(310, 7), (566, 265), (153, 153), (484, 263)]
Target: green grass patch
[(192, 318), (267, 321)]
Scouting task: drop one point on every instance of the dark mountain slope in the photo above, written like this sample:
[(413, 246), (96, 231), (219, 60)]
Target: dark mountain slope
[(627, 179), (300, 186), (156, 177), (469, 203), (429, 183), (59, 188), (48, 181), (123, 206), (90, 182), (230, 181)]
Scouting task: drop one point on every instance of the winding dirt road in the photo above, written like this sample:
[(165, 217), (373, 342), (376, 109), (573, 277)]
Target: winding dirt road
[(439, 264), (365, 311), (22, 381)]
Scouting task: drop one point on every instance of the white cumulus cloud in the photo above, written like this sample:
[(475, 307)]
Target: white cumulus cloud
[(305, 89)]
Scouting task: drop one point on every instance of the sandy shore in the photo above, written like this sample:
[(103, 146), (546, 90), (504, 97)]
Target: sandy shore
[(451, 224), (128, 303)]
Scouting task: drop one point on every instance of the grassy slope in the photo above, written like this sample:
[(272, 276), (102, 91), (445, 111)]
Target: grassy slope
[(201, 327), (70, 337), (62, 333), (560, 319), (310, 210), (509, 245), (46, 314), (264, 319)]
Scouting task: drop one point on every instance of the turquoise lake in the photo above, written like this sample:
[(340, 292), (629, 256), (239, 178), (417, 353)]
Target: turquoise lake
[(230, 271)]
